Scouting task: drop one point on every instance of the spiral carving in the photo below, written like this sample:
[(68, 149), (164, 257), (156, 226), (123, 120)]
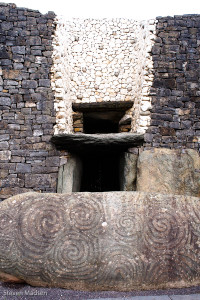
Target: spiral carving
[(82, 240), (6, 222), (118, 266), (165, 230), (38, 227), (87, 214), (128, 227), (75, 255)]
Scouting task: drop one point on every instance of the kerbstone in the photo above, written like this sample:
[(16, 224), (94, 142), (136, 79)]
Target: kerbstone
[(120, 241)]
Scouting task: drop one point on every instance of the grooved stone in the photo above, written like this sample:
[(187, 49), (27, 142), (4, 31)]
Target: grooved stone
[(101, 241)]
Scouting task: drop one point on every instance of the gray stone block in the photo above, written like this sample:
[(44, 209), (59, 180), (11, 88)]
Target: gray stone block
[(45, 82), (4, 137), (6, 101), (4, 145), (29, 84), (19, 49), (34, 40), (23, 168)]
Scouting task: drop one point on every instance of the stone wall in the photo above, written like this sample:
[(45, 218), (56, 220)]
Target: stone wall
[(27, 159), (176, 85), (47, 63), (98, 60)]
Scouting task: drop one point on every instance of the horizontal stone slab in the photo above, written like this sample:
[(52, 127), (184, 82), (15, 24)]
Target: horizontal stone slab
[(102, 106), (86, 142), (119, 241)]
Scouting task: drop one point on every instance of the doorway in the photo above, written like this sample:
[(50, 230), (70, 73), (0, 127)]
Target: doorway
[(100, 172)]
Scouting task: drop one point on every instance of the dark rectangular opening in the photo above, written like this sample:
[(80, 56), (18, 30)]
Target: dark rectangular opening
[(99, 126), (100, 172), (101, 122)]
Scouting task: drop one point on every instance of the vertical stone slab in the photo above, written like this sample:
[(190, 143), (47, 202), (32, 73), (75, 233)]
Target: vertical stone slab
[(169, 171), (128, 171), (69, 176)]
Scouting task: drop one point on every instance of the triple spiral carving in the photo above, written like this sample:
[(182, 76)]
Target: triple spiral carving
[(38, 227), (81, 238)]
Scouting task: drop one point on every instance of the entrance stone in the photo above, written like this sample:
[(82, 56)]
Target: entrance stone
[(101, 241)]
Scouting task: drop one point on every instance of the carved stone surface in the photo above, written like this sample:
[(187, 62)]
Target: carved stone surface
[(101, 241), (169, 171), (88, 142)]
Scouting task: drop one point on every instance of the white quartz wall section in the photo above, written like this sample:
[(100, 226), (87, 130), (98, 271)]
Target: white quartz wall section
[(142, 105), (61, 83), (103, 60)]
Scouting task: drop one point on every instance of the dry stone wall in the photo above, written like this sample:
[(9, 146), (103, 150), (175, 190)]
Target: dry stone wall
[(27, 160), (176, 85), (46, 63)]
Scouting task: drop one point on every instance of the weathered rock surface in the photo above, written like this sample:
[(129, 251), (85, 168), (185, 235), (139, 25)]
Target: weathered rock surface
[(169, 172), (101, 241), (69, 175), (88, 142), (128, 171)]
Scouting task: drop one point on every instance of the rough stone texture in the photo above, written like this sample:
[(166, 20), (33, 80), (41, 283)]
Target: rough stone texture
[(104, 60), (26, 102), (169, 171), (89, 142), (175, 88), (69, 175), (46, 64), (101, 241), (128, 171)]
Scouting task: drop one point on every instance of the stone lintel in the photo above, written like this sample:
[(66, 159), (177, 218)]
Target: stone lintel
[(88, 142), (102, 106)]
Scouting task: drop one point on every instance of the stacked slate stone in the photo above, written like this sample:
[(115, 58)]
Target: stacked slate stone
[(176, 88), (27, 159)]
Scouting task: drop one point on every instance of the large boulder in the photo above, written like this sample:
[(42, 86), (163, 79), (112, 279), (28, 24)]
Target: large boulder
[(169, 171), (101, 241)]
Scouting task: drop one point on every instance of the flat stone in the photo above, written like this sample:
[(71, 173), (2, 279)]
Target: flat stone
[(29, 84), (19, 49), (5, 155), (23, 168), (88, 142), (169, 171), (5, 101), (128, 171), (120, 241), (69, 179), (45, 82), (34, 40), (105, 105)]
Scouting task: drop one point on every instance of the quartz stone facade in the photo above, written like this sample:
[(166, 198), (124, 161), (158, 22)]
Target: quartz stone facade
[(99, 60)]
